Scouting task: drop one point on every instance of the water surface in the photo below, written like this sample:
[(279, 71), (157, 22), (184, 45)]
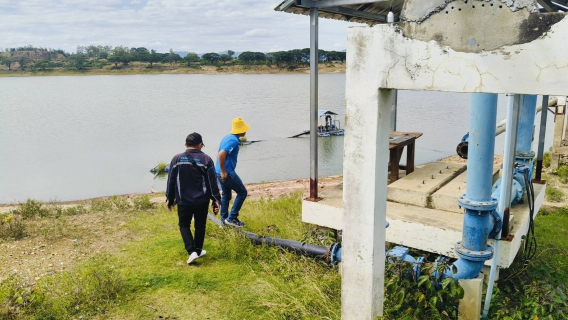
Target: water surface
[(77, 137)]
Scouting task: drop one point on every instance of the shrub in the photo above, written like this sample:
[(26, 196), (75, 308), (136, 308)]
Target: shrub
[(425, 297), (120, 203), (89, 290), (546, 159), (562, 173), (12, 227), (100, 205), (143, 203), (553, 194), (160, 168), (31, 208)]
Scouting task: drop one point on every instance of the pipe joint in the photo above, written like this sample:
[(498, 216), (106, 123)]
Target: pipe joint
[(473, 255), (477, 205), (335, 253), (525, 155)]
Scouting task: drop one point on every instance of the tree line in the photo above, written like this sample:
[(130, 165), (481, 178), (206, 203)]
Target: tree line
[(96, 56)]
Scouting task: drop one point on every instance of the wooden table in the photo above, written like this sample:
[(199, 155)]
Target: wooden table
[(397, 142)]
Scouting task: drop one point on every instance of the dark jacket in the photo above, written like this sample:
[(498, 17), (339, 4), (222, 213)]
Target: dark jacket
[(192, 183)]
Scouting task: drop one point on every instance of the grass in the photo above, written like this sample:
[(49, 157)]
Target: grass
[(148, 278), (553, 194), (536, 289)]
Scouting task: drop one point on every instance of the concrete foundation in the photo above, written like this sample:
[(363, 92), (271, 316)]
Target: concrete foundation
[(427, 229), (470, 304), (445, 198), (418, 187)]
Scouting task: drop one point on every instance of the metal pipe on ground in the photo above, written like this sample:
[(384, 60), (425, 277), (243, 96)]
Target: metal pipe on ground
[(296, 246)]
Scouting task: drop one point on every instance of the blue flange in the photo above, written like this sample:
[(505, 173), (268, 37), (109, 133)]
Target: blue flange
[(477, 205), (472, 255)]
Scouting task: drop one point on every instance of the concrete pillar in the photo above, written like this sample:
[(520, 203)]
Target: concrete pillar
[(365, 161), (469, 308)]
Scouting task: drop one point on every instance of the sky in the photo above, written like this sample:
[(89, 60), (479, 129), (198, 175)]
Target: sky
[(182, 25)]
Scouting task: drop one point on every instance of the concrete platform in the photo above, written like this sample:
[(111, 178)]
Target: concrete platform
[(446, 198), (422, 228), (418, 187)]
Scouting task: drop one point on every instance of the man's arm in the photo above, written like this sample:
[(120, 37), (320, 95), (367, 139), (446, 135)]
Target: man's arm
[(171, 185), (221, 157)]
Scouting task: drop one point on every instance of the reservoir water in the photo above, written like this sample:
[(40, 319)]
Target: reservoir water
[(78, 137)]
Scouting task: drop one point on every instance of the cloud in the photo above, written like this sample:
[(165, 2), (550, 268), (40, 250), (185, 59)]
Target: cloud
[(259, 33), (200, 26)]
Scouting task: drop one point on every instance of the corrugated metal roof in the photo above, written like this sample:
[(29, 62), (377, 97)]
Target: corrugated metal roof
[(369, 13), (375, 12)]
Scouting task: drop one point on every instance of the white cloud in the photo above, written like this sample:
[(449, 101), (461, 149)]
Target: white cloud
[(200, 26), (259, 33)]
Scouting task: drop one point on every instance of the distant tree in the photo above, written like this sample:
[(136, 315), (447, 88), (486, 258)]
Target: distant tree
[(22, 60), (247, 57), (139, 54), (224, 58), (121, 54), (77, 61), (191, 57), (322, 56), (153, 57), (231, 53), (210, 57), (7, 61), (172, 57)]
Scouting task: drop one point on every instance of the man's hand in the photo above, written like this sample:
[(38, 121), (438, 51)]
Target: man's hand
[(215, 205), (168, 205), (224, 175)]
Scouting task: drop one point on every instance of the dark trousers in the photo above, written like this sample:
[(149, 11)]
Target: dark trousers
[(185, 214)]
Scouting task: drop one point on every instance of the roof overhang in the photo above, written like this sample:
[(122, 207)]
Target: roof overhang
[(373, 12)]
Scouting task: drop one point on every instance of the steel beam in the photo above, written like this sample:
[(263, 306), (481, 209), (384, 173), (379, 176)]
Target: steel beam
[(314, 104), (286, 5), (541, 135), (356, 13), (334, 3), (548, 5)]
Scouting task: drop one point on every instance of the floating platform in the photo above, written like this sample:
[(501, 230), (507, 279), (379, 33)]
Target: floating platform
[(421, 214)]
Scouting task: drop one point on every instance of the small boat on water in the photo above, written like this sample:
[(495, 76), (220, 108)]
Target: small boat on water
[(328, 125)]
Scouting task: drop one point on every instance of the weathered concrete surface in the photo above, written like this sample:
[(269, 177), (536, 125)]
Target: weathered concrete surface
[(417, 187), (447, 197), (327, 212), (470, 304), (419, 10), (365, 171), (475, 31), (396, 61), (427, 229)]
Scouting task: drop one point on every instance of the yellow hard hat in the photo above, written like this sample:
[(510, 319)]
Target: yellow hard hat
[(239, 126)]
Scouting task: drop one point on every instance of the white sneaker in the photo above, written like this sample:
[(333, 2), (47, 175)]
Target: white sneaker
[(192, 257), (203, 252)]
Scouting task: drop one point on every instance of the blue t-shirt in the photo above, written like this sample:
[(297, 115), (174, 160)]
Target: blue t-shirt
[(230, 144)]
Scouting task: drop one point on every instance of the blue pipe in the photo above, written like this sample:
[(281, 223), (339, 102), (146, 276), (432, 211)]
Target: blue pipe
[(524, 155), (479, 215)]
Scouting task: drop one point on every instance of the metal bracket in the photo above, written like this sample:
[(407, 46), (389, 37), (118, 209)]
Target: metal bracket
[(497, 226)]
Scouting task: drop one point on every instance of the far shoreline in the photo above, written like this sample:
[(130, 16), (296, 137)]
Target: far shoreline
[(159, 69)]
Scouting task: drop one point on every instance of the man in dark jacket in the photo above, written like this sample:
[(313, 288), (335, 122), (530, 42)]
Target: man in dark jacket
[(191, 183)]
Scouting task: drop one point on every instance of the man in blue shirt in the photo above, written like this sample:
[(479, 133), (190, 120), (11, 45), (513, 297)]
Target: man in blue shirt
[(225, 169)]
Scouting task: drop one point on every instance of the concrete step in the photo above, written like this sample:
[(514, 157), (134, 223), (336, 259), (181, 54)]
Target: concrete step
[(417, 188), (446, 198)]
